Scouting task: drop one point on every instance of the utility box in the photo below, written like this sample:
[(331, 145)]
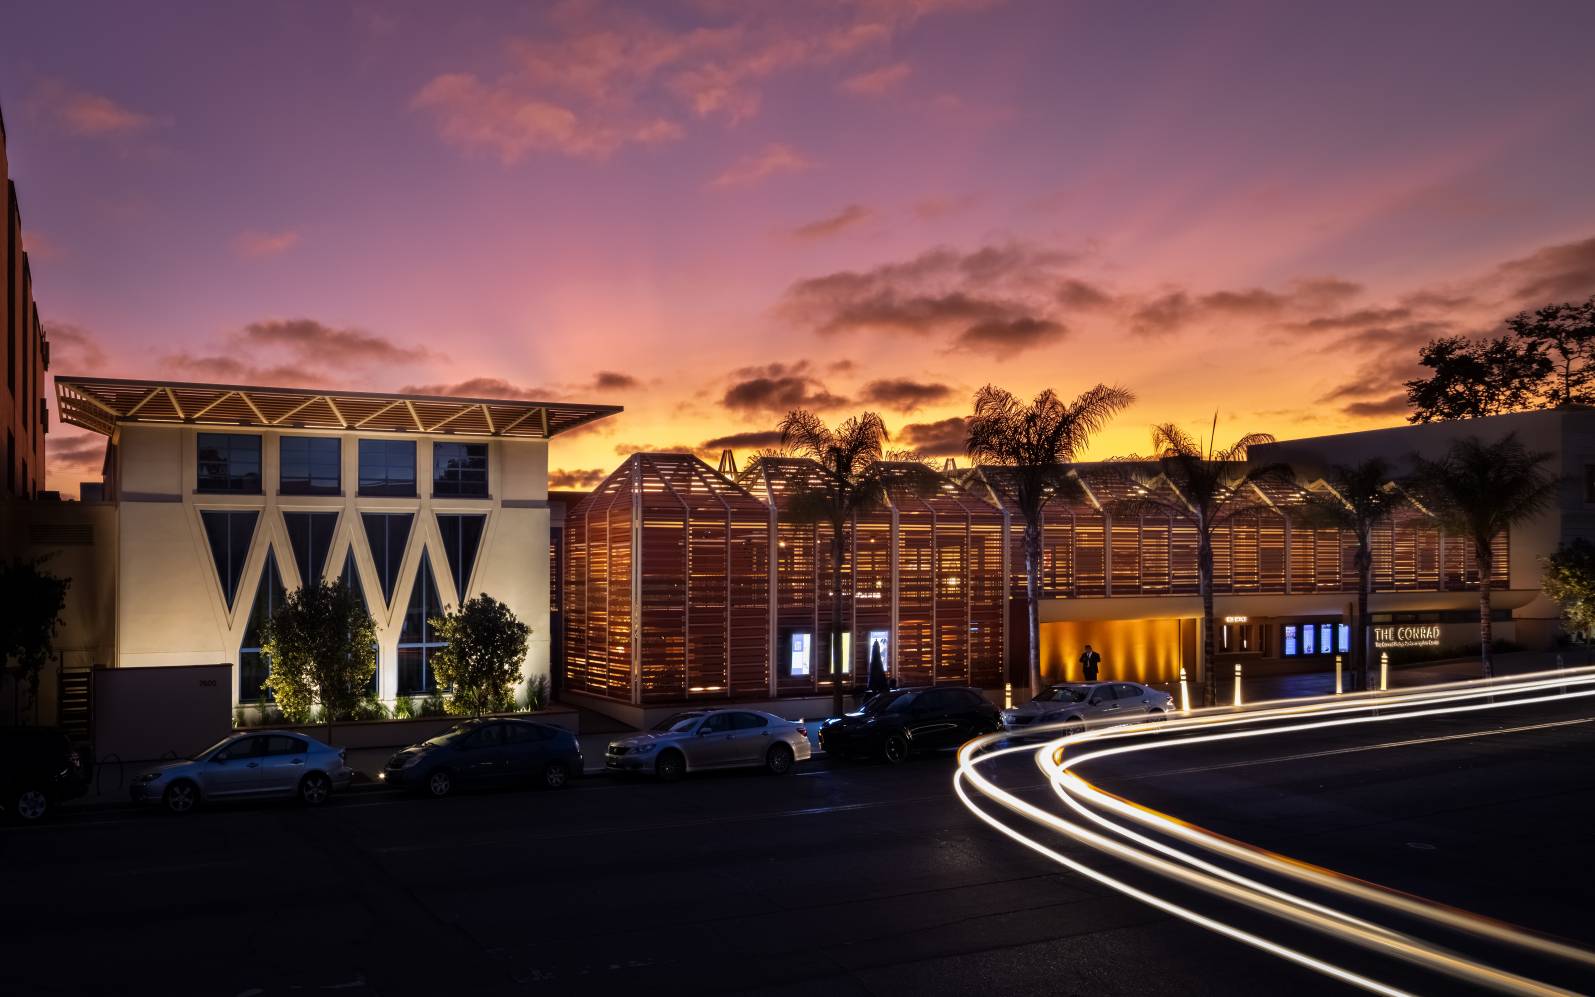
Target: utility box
[(146, 713)]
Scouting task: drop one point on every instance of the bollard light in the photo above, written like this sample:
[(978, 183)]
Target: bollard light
[(1237, 683), (1007, 695), (1338, 688), (1384, 670), (1185, 693)]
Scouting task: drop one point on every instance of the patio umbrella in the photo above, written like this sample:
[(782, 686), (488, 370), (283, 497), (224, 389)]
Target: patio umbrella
[(877, 670)]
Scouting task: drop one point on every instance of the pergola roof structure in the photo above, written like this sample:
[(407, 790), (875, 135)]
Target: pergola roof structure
[(101, 404)]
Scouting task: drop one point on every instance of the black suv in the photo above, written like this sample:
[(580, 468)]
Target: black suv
[(39, 768), (893, 725)]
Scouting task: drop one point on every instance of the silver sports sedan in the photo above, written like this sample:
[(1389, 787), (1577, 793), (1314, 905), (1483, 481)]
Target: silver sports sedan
[(1079, 705), (711, 739), (246, 766)]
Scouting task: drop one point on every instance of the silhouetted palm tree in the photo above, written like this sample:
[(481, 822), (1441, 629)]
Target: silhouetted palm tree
[(1210, 487), (1035, 443), (1478, 490), (1360, 497), (848, 489)]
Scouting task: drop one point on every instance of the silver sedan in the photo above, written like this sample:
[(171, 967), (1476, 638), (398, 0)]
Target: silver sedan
[(711, 739), (243, 766), (1078, 705)]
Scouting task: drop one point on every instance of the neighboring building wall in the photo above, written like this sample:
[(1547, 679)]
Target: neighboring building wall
[(172, 610), (23, 420)]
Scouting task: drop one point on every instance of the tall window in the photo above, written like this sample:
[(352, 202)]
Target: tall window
[(310, 465), (462, 535), (418, 641), (459, 469), (229, 462), (387, 467), (310, 539), (229, 533), (387, 533), (253, 667), (351, 579)]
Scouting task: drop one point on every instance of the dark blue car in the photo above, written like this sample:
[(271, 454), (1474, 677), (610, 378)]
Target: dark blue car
[(487, 752)]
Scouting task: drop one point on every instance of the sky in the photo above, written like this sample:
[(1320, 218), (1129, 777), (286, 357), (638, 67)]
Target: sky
[(712, 212)]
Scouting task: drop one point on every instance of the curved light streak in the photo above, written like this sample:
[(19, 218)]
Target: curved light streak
[(1058, 758)]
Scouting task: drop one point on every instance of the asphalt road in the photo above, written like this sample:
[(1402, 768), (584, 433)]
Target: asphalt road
[(840, 880)]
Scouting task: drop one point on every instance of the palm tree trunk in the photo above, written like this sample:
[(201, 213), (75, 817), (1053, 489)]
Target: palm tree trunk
[(837, 707), (1364, 660), (1033, 602), (1204, 583), (1482, 554)]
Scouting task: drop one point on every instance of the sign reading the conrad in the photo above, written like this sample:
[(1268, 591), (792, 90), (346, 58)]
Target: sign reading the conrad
[(1407, 636)]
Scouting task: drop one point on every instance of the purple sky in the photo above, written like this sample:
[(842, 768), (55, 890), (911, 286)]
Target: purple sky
[(709, 212)]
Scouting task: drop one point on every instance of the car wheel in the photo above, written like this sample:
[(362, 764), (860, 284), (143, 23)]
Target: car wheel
[(556, 775), (314, 789), (670, 766), (440, 783), (895, 748), (181, 797), (1157, 714), (30, 805), (779, 760), (1074, 725)]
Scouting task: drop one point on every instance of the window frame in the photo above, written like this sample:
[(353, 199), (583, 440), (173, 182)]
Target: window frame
[(310, 461), (204, 485), (387, 487), (453, 482)]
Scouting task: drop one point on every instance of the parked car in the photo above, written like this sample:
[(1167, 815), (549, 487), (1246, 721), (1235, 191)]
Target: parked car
[(247, 766), (39, 769), (893, 725), (712, 739), (1088, 704), (486, 751)]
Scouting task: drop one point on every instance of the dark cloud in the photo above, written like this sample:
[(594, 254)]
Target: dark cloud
[(752, 440), (231, 370), (830, 225), (1011, 335), (1081, 296), (610, 380), (1564, 272), (480, 387), (1162, 315), (777, 388), (905, 395), (627, 449), (1254, 301), (312, 342), (1393, 405), (1362, 317), (582, 480), (945, 437), (79, 452), (1323, 292)]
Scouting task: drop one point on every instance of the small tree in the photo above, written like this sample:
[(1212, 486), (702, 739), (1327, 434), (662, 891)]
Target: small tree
[(1478, 490), (1565, 334), (482, 657), (1570, 583), (33, 599), (321, 645)]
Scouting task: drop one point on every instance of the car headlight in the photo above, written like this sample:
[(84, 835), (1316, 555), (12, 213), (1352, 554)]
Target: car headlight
[(413, 760), (643, 749), (149, 777)]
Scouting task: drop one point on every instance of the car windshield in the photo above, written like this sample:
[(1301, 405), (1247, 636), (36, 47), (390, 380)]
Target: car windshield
[(677, 724), (1062, 694), (213, 748), (882, 701)]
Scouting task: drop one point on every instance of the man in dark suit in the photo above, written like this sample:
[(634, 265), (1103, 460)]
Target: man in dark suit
[(1089, 660)]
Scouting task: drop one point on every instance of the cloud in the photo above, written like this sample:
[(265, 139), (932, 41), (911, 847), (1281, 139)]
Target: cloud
[(41, 248), (581, 480), (1163, 314), (480, 387), (1078, 295), (313, 342), (74, 350), (1552, 274), (944, 437), (904, 395), (627, 449), (609, 380), (753, 439), (86, 114), (254, 245), (231, 370), (1005, 294), (775, 158), (932, 208), (830, 225), (876, 82), (76, 453), (777, 388), (1396, 404)]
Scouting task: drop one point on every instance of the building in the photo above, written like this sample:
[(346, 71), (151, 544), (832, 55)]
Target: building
[(24, 420), (936, 575), (223, 497)]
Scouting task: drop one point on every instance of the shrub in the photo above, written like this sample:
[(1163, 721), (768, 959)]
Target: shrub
[(404, 708), (432, 706), (536, 693), (481, 661)]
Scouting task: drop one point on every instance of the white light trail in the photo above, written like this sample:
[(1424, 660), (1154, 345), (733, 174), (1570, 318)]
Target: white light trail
[(1104, 821)]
